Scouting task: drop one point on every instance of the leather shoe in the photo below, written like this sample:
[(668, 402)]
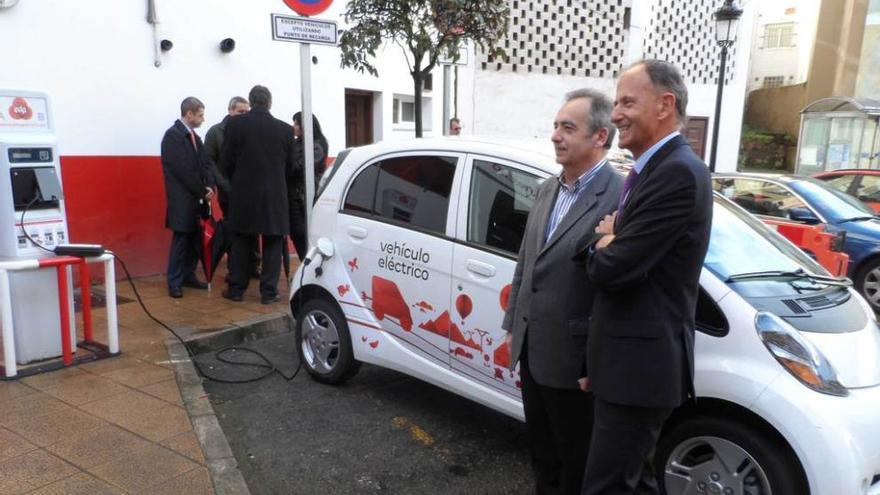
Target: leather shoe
[(232, 296), (175, 292), (270, 299), (195, 284)]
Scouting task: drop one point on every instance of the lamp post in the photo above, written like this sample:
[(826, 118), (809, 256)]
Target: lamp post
[(726, 20)]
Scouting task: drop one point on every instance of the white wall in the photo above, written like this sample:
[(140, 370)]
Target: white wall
[(793, 62), (96, 62)]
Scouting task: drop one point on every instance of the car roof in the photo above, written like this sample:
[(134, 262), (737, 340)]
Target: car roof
[(761, 175), (490, 147), (849, 171)]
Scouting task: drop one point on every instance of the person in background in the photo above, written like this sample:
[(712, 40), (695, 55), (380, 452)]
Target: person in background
[(296, 191), (258, 157), (188, 179), (551, 297), (454, 126), (214, 147)]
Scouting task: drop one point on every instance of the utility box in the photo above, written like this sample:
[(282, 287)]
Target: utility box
[(32, 220)]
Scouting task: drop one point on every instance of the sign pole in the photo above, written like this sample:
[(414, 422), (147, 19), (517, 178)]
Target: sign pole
[(305, 70), (446, 93)]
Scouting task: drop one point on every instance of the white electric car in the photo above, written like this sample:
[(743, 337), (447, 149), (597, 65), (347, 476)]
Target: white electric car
[(414, 249)]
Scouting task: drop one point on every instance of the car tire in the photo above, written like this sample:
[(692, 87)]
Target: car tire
[(868, 282), (323, 342), (712, 455)]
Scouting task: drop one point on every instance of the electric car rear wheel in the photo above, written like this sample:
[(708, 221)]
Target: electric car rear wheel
[(324, 343), (709, 455), (868, 282)]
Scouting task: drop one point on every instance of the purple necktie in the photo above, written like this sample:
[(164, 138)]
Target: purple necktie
[(627, 186)]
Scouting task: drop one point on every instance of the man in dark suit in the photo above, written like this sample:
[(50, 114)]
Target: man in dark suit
[(188, 179), (646, 266), (258, 158), (550, 296)]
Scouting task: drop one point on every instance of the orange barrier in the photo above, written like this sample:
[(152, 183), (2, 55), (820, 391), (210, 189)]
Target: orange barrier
[(813, 239)]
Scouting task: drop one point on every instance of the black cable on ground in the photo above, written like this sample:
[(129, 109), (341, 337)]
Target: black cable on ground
[(267, 364)]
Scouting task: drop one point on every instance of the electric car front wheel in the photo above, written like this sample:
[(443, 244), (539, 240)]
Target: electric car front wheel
[(323, 342)]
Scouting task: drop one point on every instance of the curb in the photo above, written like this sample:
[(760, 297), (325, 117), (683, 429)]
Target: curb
[(222, 466)]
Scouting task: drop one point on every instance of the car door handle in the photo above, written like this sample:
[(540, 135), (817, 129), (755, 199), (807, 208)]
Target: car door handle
[(480, 268), (357, 232)]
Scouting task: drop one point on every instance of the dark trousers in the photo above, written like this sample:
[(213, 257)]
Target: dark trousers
[(183, 257), (558, 423), (622, 450), (240, 264)]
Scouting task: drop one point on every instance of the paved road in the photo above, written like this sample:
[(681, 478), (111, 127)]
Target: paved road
[(381, 432)]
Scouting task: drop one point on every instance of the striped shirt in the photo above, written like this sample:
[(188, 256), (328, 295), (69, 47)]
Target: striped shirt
[(567, 196)]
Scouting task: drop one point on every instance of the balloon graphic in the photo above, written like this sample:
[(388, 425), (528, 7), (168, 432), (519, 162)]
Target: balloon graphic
[(463, 305), (504, 297)]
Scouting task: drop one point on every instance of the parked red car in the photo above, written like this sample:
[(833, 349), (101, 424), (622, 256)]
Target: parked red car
[(862, 183)]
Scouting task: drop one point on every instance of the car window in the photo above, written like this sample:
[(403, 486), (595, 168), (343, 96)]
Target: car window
[(759, 197), (499, 204), (413, 190), (830, 203), (839, 182), (869, 188)]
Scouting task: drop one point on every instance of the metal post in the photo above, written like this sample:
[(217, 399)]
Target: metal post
[(64, 304), (447, 71), (715, 127), (110, 294), (305, 59), (6, 323), (86, 295)]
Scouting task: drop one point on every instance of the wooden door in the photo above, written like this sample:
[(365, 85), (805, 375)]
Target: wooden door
[(695, 132), (358, 118)]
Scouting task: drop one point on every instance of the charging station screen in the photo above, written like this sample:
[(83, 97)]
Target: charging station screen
[(36, 182)]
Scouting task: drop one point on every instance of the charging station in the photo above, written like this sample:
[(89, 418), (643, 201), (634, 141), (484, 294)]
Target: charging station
[(30, 183)]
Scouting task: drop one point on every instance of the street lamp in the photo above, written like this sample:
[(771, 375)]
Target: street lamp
[(726, 20)]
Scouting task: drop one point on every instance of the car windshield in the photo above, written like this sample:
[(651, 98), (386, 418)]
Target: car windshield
[(834, 205), (741, 244)]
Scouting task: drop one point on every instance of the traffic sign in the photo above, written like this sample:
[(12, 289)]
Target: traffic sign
[(308, 7), (303, 30)]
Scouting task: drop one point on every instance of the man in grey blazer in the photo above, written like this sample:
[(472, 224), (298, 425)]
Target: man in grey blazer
[(552, 297)]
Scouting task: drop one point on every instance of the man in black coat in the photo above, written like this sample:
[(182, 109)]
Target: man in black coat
[(214, 145), (646, 264), (188, 179), (258, 158)]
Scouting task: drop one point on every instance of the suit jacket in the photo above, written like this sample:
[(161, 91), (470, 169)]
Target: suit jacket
[(258, 159), (550, 293), (213, 147), (641, 348), (187, 172)]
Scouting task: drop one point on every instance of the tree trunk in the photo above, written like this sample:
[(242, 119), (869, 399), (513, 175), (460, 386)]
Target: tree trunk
[(417, 100)]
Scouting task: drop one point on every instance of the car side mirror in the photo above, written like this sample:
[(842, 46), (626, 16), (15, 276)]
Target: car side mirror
[(803, 214)]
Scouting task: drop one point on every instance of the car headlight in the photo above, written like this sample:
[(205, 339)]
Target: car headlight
[(797, 354)]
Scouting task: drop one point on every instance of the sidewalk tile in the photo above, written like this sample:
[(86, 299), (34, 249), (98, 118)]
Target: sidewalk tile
[(31, 471), (158, 425), (53, 428), (186, 444), (86, 388), (167, 391), (115, 409), (195, 482), (12, 445), (144, 469), (140, 375), (79, 484), (102, 366), (53, 378), (92, 448), (31, 406), (14, 390)]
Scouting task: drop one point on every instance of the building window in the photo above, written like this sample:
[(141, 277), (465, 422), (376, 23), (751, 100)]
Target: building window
[(404, 111), (779, 35), (774, 81)]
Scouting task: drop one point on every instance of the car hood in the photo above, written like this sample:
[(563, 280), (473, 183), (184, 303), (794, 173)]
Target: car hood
[(867, 230)]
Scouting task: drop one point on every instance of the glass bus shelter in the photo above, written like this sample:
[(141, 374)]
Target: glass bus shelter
[(838, 132)]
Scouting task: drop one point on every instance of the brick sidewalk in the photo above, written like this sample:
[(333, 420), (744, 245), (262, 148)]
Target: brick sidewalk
[(118, 425)]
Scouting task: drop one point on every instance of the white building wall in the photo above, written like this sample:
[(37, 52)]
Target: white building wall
[(523, 104), (793, 63), (96, 62)]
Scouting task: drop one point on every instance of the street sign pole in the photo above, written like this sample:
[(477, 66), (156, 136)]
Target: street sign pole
[(305, 70), (447, 69)]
